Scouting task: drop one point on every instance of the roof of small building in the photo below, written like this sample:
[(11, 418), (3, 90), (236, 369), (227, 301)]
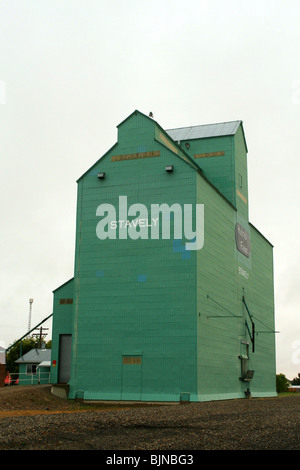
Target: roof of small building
[(45, 364), (35, 356)]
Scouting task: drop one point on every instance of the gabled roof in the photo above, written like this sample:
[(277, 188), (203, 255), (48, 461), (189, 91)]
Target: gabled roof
[(205, 130), (185, 133), (175, 148), (179, 151), (135, 112), (35, 356), (64, 284)]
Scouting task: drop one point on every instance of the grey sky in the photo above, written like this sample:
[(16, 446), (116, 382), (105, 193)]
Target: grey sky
[(72, 70)]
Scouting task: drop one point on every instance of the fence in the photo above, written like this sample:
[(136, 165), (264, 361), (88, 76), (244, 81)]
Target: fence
[(27, 379)]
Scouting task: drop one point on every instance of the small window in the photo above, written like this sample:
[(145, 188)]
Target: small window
[(132, 360), (31, 369), (65, 301)]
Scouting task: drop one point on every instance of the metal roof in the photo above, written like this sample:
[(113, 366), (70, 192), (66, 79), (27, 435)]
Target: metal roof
[(35, 356), (45, 364), (202, 131), (2, 355)]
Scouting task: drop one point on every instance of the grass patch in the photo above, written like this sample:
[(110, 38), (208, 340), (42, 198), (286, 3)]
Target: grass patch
[(289, 394)]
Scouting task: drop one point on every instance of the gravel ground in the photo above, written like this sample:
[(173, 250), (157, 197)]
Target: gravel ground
[(33, 419)]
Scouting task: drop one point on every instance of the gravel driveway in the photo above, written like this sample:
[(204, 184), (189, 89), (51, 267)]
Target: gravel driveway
[(269, 424)]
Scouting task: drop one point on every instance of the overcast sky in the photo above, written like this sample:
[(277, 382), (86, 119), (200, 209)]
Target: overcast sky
[(72, 70)]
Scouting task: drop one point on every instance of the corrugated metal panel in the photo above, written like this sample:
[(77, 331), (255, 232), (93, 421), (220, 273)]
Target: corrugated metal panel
[(35, 356), (45, 364), (207, 130)]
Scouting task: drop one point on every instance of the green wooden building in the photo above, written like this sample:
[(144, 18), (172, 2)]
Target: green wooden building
[(34, 367), (172, 297)]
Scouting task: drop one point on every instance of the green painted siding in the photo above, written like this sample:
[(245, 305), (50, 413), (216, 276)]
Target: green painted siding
[(219, 170), (134, 297), (217, 299), (151, 320), (241, 173), (62, 321), (41, 377), (224, 277), (258, 291)]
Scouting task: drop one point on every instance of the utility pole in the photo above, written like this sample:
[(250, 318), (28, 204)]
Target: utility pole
[(40, 334)]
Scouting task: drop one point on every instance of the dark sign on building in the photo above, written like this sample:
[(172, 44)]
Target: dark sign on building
[(242, 239)]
